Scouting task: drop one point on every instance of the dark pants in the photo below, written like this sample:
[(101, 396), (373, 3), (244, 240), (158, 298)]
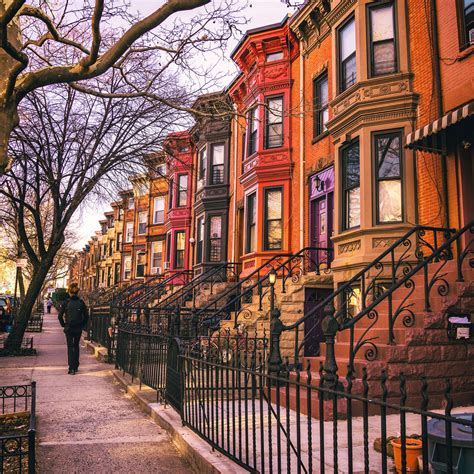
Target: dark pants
[(49, 309), (73, 338)]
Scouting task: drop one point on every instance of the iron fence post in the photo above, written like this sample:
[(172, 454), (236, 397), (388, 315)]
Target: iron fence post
[(330, 327), (276, 328)]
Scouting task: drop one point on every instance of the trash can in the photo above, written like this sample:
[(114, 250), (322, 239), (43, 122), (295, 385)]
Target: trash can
[(462, 443)]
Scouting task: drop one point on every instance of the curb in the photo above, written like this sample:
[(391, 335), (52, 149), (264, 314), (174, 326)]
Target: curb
[(195, 450), (99, 352)]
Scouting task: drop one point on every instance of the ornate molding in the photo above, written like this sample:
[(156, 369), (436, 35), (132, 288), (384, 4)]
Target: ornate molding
[(349, 247), (383, 242)]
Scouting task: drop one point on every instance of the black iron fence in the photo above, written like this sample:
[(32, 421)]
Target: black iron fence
[(17, 443), (227, 391), (101, 328)]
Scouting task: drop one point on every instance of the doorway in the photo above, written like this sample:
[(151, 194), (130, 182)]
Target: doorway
[(313, 332)]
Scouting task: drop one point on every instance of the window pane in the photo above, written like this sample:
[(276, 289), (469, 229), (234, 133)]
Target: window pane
[(347, 39), (275, 110), (388, 156), (183, 182), (353, 208), (274, 203), (352, 166), (274, 237), (382, 23), (218, 154), (216, 227), (384, 57), (390, 201), (274, 56), (349, 73), (180, 240), (322, 92)]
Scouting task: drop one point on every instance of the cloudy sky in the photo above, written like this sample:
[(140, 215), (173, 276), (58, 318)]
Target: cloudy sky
[(258, 13)]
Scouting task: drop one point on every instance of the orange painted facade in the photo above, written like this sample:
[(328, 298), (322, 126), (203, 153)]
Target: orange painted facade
[(263, 92)]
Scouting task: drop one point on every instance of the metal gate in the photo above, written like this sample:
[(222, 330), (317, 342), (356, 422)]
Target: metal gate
[(173, 392)]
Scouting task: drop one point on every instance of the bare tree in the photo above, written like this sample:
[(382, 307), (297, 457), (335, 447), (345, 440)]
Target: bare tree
[(45, 43), (12, 247), (68, 146)]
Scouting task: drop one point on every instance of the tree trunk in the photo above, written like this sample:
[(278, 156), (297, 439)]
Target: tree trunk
[(8, 121), (13, 342), (21, 284), (8, 106)]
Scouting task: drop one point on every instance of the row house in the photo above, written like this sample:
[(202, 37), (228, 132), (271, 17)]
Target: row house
[(351, 123), (326, 148), (212, 174)]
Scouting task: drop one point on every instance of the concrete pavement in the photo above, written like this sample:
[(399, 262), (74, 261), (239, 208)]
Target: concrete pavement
[(86, 423)]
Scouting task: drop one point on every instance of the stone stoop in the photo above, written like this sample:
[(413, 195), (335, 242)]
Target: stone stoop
[(422, 349)]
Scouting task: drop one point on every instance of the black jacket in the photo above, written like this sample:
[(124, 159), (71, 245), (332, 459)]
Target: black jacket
[(73, 314)]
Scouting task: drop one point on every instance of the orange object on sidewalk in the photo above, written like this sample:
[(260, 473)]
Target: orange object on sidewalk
[(413, 450)]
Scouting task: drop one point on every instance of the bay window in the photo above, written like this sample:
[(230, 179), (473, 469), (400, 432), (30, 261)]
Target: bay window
[(382, 40), (251, 222), (217, 167), (321, 108), (179, 246), (182, 190), (274, 122), (273, 219), (215, 239), (159, 210), (128, 232), (252, 130), (347, 55), (351, 185), (388, 176), (140, 265), (142, 219)]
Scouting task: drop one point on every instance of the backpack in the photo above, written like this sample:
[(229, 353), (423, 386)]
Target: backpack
[(74, 312)]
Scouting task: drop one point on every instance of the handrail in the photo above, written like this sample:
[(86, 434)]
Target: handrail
[(240, 283), (133, 287), (152, 289), (283, 267), (347, 288), (191, 285)]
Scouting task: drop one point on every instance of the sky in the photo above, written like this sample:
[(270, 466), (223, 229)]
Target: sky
[(258, 13)]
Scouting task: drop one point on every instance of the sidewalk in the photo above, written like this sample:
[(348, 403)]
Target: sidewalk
[(86, 424)]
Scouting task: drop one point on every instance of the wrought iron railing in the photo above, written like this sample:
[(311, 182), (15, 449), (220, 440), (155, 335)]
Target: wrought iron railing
[(290, 422), (377, 282), (217, 273), (155, 289), (286, 266), (17, 443)]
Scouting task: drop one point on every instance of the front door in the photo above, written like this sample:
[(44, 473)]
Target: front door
[(321, 226), (313, 333)]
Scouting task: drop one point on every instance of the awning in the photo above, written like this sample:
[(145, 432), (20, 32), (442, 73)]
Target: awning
[(426, 138)]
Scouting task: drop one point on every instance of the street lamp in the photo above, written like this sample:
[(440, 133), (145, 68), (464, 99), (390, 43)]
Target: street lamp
[(272, 280)]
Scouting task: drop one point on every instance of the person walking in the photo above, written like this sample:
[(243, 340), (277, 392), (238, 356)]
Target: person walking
[(73, 317), (49, 304)]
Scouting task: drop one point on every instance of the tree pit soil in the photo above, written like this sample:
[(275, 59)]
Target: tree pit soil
[(14, 425)]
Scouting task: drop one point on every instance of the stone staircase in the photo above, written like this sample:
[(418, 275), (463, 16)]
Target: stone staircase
[(421, 347)]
